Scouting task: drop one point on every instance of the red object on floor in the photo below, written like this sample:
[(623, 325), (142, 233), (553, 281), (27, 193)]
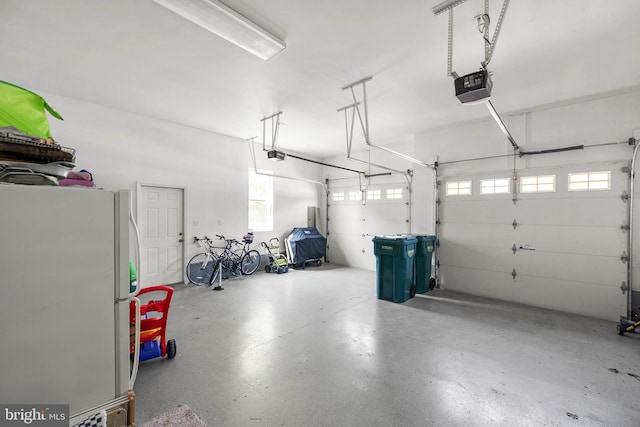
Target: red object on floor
[(153, 319)]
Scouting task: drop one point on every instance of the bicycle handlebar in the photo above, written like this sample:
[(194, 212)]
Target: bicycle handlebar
[(197, 239), (229, 242)]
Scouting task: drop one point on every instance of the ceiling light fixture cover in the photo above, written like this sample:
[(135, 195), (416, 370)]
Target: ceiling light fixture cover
[(225, 22)]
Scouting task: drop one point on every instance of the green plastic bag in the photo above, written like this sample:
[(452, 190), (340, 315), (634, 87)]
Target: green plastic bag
[(25, 110), (133, 276)]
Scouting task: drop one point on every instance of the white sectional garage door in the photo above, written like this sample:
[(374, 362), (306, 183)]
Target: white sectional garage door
[(352, 224), (559, 250)]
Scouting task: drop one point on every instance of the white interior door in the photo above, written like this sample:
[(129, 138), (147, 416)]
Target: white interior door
[(160, 217)]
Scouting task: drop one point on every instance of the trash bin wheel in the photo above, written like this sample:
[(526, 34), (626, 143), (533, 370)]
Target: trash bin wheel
[(171, 349), (432, 283), (412, 291), (267, 268), (620, 329), (319, 262)]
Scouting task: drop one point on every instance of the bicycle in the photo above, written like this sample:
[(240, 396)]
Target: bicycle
[(249, 258), (200, 267), (234, 262), (204, 268), (229, 262)]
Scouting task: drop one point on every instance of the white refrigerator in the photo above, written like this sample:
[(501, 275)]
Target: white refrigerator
[(64, 292)]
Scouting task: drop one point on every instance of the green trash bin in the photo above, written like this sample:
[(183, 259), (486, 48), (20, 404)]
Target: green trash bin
[(425, 247), (395, 267)]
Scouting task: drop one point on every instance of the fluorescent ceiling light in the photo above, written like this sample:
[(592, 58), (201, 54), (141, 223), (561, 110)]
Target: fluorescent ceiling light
[(225, 22), (446, 5)]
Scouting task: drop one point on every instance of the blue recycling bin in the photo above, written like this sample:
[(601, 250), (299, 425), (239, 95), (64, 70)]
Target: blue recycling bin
[(395, 272), (424, 250)]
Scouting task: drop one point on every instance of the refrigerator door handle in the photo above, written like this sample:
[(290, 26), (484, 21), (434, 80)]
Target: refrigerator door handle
[(137, 242)]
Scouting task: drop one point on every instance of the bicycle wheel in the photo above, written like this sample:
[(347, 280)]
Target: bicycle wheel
[(250, 262), (234, 264), (200, 269)]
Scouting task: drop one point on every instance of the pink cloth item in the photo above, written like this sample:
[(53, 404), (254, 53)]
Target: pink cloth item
[(85, 176), (67, 182)]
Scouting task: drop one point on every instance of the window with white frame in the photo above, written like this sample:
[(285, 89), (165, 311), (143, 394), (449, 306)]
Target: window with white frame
[(459, 188), (394, 193), (495, 186), (260, 201), (338, 196), (538, 184), (374, 194), (589, 181)]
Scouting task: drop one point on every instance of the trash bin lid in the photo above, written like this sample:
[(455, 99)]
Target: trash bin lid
[(397, 240)]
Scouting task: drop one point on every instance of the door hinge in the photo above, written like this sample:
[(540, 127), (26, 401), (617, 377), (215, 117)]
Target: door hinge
[(624, 196), (514, 274), (624, 257)]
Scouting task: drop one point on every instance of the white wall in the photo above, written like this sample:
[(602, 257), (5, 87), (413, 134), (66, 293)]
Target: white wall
[(121, 149), (589, 122)]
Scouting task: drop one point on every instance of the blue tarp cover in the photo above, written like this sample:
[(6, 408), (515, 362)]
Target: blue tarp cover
[(304, 244)]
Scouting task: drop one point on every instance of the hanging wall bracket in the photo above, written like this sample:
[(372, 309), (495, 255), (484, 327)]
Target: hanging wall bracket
[(363, 117), (272, 154)]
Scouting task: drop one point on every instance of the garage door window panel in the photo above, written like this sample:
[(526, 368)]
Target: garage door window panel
[(590, 181), (459, 188), (494, 186), (538, 184)]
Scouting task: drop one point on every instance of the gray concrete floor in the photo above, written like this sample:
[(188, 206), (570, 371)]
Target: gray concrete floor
[(315, 347)]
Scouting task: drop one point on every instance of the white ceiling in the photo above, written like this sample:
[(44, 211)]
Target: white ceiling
[(137, 56)]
